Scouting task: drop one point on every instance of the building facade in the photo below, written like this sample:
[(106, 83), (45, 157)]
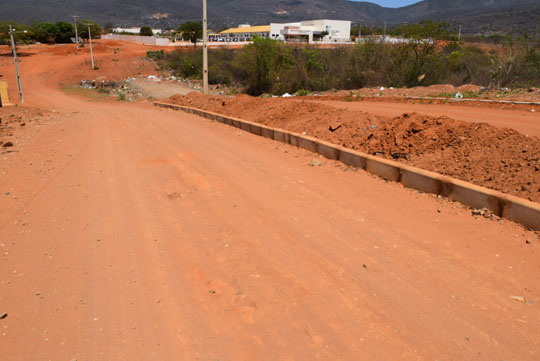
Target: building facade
[(310, 31)]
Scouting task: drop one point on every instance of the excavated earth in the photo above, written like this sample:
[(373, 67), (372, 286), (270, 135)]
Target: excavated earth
[(497, 158)]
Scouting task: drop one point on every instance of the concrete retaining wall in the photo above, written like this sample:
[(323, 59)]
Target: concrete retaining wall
[(503, 205), (148, 40)]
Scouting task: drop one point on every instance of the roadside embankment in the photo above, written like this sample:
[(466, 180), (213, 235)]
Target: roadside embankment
[(497, 158)]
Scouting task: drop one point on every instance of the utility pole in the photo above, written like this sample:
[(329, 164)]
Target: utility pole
[(91, 50), (75, 17), (459, 35), (205, 50), (385, 24), (21, 97)]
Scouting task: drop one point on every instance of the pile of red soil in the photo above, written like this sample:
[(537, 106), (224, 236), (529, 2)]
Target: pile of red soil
[(497, 158), (284, 113), (479, 153)]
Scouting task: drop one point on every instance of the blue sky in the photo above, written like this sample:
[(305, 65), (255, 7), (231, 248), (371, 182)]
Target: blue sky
[(392, 3)]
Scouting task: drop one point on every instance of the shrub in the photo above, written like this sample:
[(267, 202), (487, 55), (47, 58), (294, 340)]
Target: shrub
[(155, 54), (270, 67), (146, 31)]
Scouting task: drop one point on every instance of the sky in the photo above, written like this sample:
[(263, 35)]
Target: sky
[(392, 3)]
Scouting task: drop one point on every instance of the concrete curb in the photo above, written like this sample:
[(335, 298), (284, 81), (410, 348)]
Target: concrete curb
[(503, 205)]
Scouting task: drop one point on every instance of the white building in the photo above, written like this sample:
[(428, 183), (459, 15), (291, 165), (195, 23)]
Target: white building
[(134, 30), (328, 31)]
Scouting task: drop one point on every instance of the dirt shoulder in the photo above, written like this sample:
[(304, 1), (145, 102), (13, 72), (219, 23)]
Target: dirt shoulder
[(531, 94), (14, 120), (524, 119), (498, 158)]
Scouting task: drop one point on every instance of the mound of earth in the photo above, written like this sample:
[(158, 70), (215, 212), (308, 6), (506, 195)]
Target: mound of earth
[(479, 153), (497, 158), (297, 116)]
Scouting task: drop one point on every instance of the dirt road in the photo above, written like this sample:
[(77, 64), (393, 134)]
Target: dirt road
[(525, 122), (132, 233), (160, 89)]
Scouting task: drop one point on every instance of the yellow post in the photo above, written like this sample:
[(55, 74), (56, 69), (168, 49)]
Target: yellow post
[(4, 94)]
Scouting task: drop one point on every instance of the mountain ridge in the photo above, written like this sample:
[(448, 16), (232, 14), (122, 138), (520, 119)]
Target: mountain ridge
[(516, 16)]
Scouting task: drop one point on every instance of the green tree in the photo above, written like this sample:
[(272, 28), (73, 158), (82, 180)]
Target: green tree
[(66, 31), (191, 31), (425, 30), (82, 28), (23, 33), (46, 32), (146, 31), (269, 67)]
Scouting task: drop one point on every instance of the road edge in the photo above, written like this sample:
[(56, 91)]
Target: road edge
[(506, 206)]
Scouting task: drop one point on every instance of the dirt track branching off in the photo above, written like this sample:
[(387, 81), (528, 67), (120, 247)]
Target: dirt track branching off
[(497, 158)]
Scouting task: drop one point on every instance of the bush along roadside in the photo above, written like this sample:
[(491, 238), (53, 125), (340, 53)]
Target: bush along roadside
[(272, 67)]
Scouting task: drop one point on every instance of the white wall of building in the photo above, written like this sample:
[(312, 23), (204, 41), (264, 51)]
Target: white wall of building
[(276, 28), (148, 40), (338, 30)]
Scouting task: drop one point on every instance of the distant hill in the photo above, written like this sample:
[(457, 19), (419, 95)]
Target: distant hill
[(515, 16)]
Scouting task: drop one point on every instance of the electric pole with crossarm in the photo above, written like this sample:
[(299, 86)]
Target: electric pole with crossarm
[(21, 97), (205, 50), (76, 32)]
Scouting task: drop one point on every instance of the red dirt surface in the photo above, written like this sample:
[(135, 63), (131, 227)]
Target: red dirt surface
[(13, 119), (529, 108), (129, 232), (500, 159), (519, 117), (129, 62), (529, 94)]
